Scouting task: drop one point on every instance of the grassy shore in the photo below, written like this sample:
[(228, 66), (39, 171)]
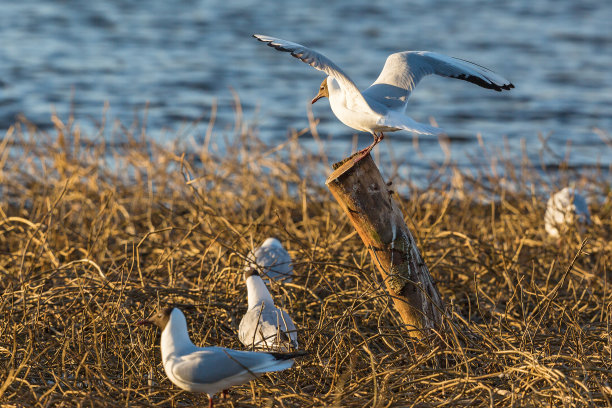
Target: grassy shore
[(93, 236)]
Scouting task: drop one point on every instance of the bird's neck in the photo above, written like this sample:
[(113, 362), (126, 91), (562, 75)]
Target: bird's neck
[(175, 337), (258, 292)]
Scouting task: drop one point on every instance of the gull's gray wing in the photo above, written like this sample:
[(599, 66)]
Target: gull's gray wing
[(258, 326), (403, 71), (354, 99), (267, 327), (289, 329), (213, 364)]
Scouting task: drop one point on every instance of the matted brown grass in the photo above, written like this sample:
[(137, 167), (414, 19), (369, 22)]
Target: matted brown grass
[(93, 236)]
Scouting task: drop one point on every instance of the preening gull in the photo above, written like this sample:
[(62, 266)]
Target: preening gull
[(209, 369), (565, 208), (264, 325), (271, 260), (381, 107)]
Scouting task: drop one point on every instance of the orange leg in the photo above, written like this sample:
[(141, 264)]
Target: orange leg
[(367, 150), (377, 139)]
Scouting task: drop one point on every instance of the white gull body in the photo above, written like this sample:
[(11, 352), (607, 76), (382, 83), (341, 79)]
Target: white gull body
[(265, 326), (211, 369), (271, 260), (563, 209), (382, 106)]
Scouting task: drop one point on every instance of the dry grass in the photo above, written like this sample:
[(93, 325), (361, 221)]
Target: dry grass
[(93, 236)]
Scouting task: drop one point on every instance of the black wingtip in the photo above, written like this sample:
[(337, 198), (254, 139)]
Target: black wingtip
[(287, 356), (481, 82)]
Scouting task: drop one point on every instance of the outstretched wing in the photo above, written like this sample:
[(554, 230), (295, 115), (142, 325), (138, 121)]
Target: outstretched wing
[(322, 63), (403, 71)]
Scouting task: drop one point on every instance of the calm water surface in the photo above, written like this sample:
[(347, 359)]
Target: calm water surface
[(180, 57)]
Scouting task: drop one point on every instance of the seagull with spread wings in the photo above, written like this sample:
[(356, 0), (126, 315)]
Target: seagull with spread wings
[(381, 107)]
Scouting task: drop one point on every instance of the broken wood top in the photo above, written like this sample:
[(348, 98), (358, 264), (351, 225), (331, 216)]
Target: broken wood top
[(345, 165)]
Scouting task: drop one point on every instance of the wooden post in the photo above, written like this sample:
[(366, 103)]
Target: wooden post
[(364, 196)]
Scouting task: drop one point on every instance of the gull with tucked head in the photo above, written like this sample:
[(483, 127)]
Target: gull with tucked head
[(566, 209), (381, 107), (271, 260)]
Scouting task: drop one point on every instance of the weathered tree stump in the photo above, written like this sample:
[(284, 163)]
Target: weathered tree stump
[(364, 196)]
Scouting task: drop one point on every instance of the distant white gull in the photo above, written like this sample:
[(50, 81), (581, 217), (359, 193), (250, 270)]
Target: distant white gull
[(209, 369), (272, 261), (564, 209), (264, 325), (381, 107)]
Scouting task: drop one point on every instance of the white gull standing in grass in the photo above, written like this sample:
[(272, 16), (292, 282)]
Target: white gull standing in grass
[(564, 209), (381, 107), (264, 325), (209, 369), (272, 261)]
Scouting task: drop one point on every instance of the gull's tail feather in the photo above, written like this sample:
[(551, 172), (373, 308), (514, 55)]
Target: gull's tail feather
[(400, 121), (286, 356), (282, 361), (278, 365)]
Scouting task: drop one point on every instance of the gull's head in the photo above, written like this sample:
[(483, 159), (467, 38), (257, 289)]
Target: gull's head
[(160, 318), (323, 92), (250, 271)]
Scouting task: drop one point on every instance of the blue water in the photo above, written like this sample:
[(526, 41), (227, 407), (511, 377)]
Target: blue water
[(181, 57)]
